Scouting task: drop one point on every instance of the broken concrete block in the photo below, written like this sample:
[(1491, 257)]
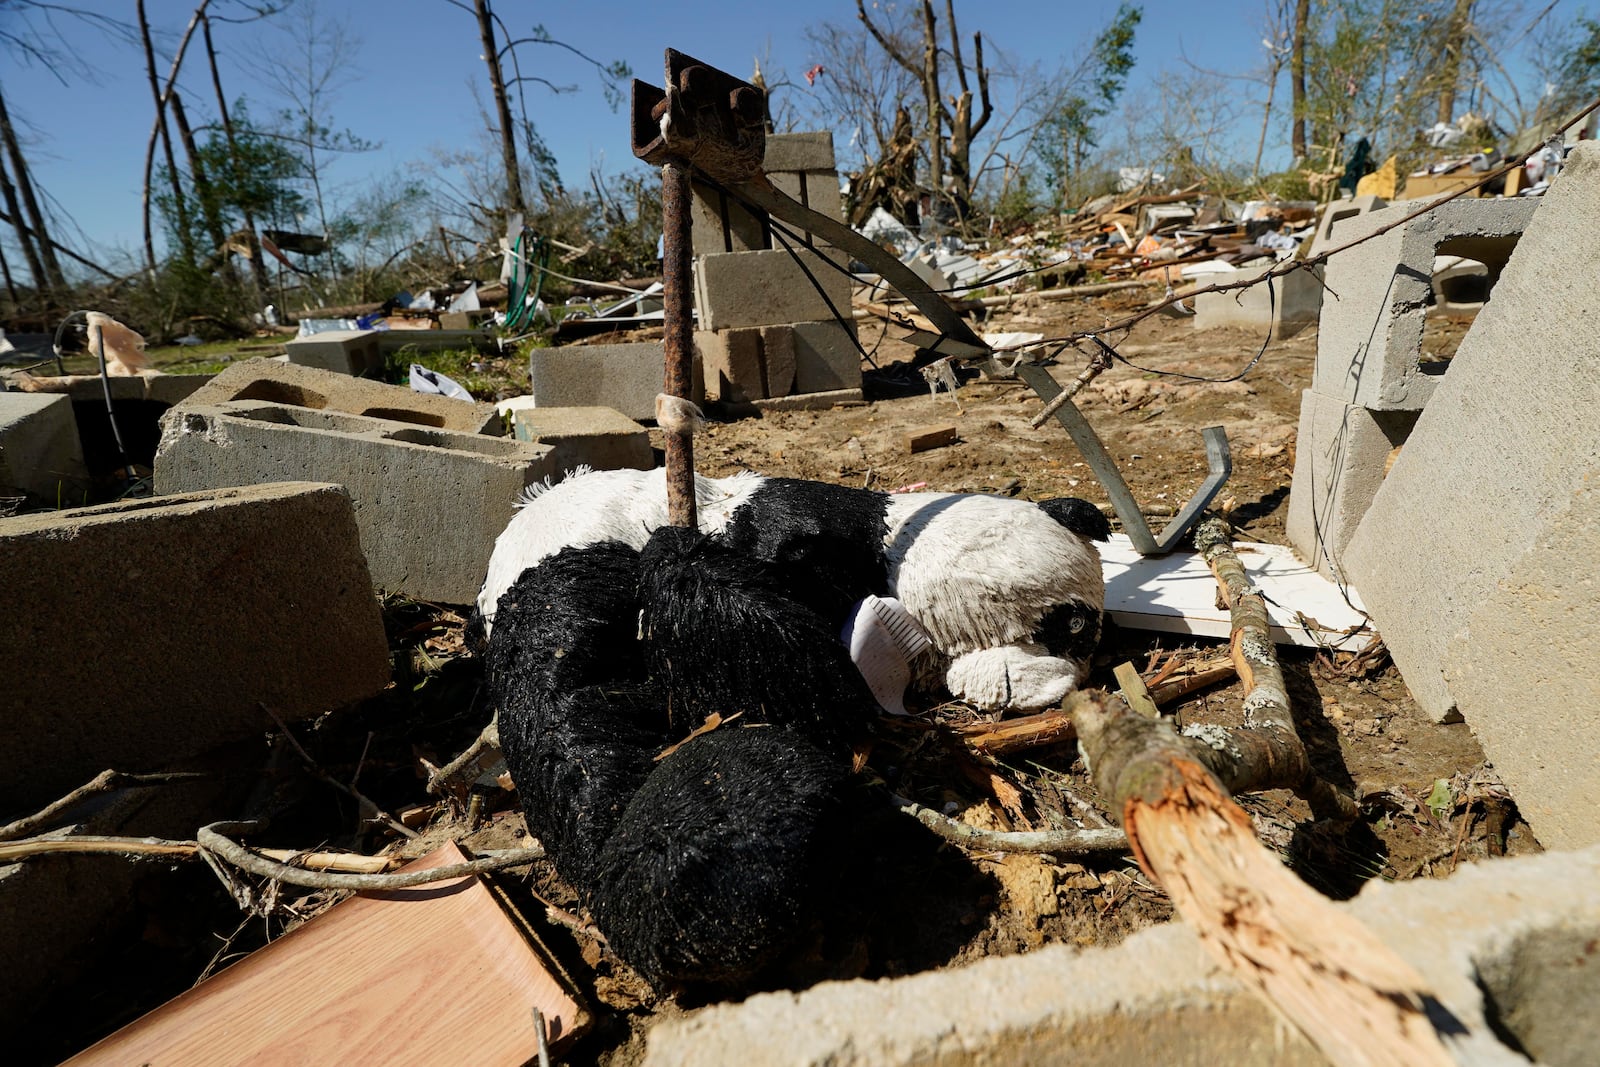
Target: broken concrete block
[(159, 627), (602, 439), (1293, 302), (799, 151), (40, 454), (738, 289), (1507, 940), (1522, 672), (352, 352), (1340, 459), (1370, 344), (720, 223), (627, 377), (272, 381), (1336, 213), (1509, 434), (428, 503), (826, 357), (730, 361), (817, 190)]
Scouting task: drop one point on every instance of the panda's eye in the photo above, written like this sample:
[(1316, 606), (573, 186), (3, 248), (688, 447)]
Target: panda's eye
[(1077, 624)]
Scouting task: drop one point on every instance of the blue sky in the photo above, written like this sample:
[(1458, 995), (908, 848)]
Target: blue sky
[(411, 81)]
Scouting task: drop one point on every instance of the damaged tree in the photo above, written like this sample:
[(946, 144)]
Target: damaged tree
[(950, 159)]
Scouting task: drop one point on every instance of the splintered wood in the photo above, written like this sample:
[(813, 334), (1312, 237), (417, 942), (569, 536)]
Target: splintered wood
[(437, 974), (1324, 971)]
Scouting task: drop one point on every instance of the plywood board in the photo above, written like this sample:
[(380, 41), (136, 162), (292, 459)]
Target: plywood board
[(1177, 594), (435, 974)]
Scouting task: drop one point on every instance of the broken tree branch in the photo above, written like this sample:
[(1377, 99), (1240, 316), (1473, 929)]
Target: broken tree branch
[(1057, 842), (107, 781), (1266, 753), (488, 741), (1316, 965)]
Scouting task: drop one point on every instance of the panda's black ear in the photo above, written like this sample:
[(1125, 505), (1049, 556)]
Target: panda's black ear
[(1079, 516)]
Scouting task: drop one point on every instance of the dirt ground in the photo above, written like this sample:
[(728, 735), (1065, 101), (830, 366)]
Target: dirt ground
[(1428, 803)]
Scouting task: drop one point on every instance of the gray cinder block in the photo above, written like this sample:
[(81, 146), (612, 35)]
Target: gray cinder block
[(1294, 303), (161, 626), (599, 438), (799, 151), (817, 190), (1370, 342), (353, 352), (1339, 463), (1506, 940), (1510, 433), (739, 289), (272, 381), (39, 449), (627, 377), (1336, 213), (825, 356), (1522, 672), (428, 503), (720, 223)]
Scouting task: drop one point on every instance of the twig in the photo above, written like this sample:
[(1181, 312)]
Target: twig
[(1058, 842), (366, 804), (488, 739), (211, 839), (542, 1033), (1099, 362), (107, 781)]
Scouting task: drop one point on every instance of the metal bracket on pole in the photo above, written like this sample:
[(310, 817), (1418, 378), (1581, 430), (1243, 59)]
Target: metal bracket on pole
[(1219, 465)]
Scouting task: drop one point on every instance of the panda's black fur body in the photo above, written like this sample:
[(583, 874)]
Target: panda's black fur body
[(708, 863)]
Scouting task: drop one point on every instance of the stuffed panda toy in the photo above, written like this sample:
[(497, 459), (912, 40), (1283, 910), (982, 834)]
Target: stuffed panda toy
[(612, 637)]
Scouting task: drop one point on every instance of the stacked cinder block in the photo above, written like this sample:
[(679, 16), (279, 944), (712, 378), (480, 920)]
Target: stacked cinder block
[(774, 320), (1370, 380)]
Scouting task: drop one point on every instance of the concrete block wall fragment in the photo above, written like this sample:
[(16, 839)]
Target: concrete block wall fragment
[(1293, 302), (799, 152), (40, 454), (428, 503), (720, 223), (599, 438), (1341, 455), (1522, 671), (1505, 440), (1494, 942), (1336, 213), (1370, 341), (272, 381), (745, 365), (353, 352), (739, 289), (817, 190), (162, 625), (826, 357), (627, 377)]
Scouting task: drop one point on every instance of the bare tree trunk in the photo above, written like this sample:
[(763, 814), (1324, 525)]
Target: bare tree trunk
[(11, 286), (508, 134), (963, 127), (158, 129), (258, 266), (202, 187), (1455, 43), (934, 125), (52, 279), (24, 235), (1297, 77)]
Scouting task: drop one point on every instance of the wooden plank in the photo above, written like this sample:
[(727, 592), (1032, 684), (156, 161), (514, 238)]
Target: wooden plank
[(1177, 594), (435, 974), (931, 437)]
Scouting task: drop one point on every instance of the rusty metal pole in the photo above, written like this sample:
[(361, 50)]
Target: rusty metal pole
[(679, 337)]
